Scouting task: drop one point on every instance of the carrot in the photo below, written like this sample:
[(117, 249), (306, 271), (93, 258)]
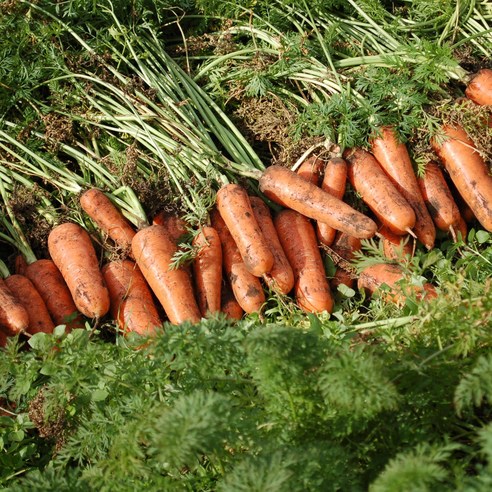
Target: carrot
[(229, 305), (14, 318), (246, 287), (479, 89), (460, 230), (207, 268), (153, 251), (468, 171), (25, 292), (374, 277), (438, 197), (378, 192), (20, 265), (132, 304), (344, 247), (281, 276), (286, 188), (334, 182), (396, 247), (175, 225), (298, 239), (311, 169), (107, 217), (72, 252), (50, 284), (234, 206), (395, 161), (3, 339)]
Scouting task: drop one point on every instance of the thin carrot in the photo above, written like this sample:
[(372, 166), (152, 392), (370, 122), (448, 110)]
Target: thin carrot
[(234, 206), (14, 318), (25, 292), (72, 252), (344, 247), (298, 239), (108, 218), (468, 171), (311, 169), (153, 251), (246, 287), (52, 287), (334, 183), (378, 192), (281, 276), (395, 246), (207, 268), (394, 158), (229, 305), (132, 304), (286, 188), (479, 89), (459, 230)]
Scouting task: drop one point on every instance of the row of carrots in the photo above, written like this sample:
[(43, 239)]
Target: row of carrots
[(245, 246)]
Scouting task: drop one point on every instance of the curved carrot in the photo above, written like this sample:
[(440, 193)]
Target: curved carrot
[(107, 217), (286, 188), (153, 251), (14, 318), (479, 90), (344, 247), (378, 192), (207, 268), (311, 169), (395, 161), (50, 284), (25, 292), (132, 305), (395, 246), (298, 239), (281, 276), (334, 183), (467, 170), (229, 305), (71, 250), (438, 197), (246, 287), (234, 206)]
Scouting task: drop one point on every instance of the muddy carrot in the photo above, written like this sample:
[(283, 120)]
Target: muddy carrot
[(395, 246), (14, 318), (344, 247), (311, 169), (479, 89), (229, 305)]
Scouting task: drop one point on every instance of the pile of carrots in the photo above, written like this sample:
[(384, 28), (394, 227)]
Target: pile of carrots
[(246, 247)]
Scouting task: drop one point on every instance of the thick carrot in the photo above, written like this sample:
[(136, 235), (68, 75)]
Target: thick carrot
[(479, 89), (246, 287), (334, 182), (14, 318), (107, 217), (468, 171), (25, 292), (394, 158), (53, 289), (395, 246), (207, 268), (175, 225), (234, 206), (153, 251), (311, 169), (374, 277), (72, 252), (132, 304), (343, 247), (438, 197), (298, 238), (286, 188), (281, 276), (378, 192), (229, 305)]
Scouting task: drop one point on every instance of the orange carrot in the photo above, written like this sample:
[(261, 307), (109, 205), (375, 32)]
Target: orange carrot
[(14, 318), (394, 158), (207, 268), (25, 292), (311, 169), (108, 218), (334, 182), (344, 246), (479, 89), (20, 265), (438, 197), (281, 276), (460, 230), (286, 188), (395, 246), (298, 239), (72, 252), (132, 304), (175, 225), (229, 305), (153, 251), (246, 287), (467, 170), (378, 192), (372, 279), (234, 206), (52, 287)]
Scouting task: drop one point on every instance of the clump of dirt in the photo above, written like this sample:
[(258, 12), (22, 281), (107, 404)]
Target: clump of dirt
[(58, 129)]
